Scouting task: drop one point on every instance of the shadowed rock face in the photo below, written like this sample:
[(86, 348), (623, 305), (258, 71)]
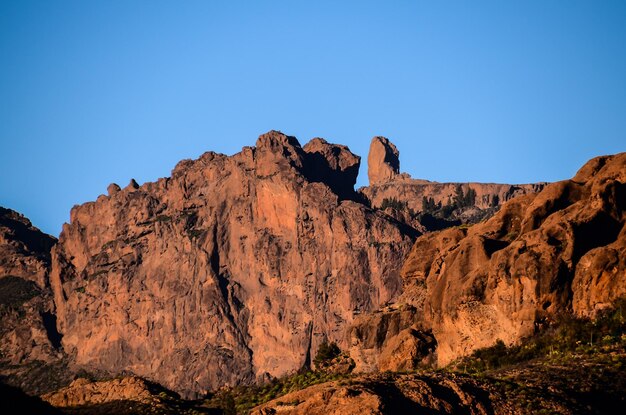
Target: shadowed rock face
[(27, 330), (24, 249), (542, 255), (233, 269)]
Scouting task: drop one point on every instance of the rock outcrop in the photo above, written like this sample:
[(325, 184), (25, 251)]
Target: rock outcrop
[(28, 335), (83, 391), (578, 383), (429, 206), (380, 395), (383, 163), (232, 270), (24, 249), (540, 257)]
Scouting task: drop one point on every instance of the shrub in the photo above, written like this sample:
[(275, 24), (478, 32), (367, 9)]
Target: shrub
[(570, 334), (15, 291), (326, 353), (393, 204)]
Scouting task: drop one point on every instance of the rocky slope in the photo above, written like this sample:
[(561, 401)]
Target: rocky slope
[(560, 370), (232, 270), (542, 256), (427, 205), (567, 384)]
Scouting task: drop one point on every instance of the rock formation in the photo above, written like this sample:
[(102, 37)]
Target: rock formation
[(540, 257), (236, 268), (24, 249), (383, 163), (427, 205), (380, 395), (86, 392), (28, 335), (232, 270)]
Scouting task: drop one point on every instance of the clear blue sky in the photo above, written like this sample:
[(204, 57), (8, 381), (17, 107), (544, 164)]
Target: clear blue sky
[(94, 92)]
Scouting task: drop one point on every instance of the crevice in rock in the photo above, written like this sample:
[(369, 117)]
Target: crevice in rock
[(493, 245), (49, 321), (601, 230)]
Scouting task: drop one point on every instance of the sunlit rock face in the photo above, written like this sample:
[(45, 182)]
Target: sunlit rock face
[(542, 255), (233, 269)]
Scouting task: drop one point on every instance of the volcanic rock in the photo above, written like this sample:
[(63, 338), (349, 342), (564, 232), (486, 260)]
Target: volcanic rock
[(112, 189), (28, 335), (540, 257), (24, 249), (232, 270), (430, 206), (380, 394), (86, 392), (383, 163), (332, 164)]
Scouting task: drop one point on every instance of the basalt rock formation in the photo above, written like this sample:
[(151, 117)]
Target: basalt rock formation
[(542, 256), (232, 270), (427, 205)]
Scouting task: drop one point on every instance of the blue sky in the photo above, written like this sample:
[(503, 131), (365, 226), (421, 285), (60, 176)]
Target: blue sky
[(105, 91)]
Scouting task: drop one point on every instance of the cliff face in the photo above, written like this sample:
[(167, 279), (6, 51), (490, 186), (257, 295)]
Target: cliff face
[(233, 269), (542, 255), (28, 335), (24, 249)]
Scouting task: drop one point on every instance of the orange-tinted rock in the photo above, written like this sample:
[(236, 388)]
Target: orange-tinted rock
[(25, 300), (332, 164), (86, 392), (383, 163), (233, 269), (388, 394), (408, 196), (24, 249), (540, 256)]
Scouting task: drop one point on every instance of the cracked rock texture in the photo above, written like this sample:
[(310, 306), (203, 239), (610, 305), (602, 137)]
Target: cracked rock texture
[(27, 322), (231, 270), (386, 183), (542, 255)]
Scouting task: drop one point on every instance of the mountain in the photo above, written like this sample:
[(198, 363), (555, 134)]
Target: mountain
[(233, 270), (542, 257), (238, 270), (30, 344)]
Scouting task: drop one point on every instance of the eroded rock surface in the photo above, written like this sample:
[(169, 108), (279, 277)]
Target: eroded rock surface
[(24, 249), (383, 163), (541, 256), (380, 394), (28, 335), (430, 206), (234, 269), (86, 392)]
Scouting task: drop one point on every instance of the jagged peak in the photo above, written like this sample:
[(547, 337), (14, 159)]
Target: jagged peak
[(383, 162)]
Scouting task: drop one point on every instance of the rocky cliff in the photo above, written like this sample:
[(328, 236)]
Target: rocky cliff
[(236, 268), (28, 335), (541, 257), (231, 270)]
